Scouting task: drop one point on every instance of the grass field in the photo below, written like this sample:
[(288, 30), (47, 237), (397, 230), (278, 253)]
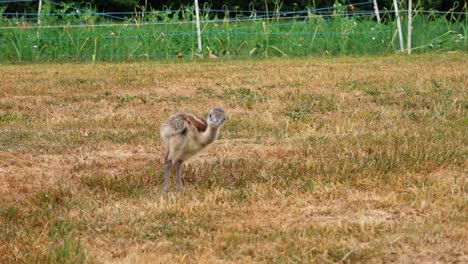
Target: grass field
[(321, 160)]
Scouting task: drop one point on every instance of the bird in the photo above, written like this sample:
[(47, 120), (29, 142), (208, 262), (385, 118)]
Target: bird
[(184, 136)]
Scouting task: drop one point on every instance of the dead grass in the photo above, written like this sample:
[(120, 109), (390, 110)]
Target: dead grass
[(321, 160)]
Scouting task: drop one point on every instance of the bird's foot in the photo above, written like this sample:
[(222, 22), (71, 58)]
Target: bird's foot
[(179, 188)]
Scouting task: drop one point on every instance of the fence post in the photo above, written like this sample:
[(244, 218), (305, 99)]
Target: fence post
[(377, 13), (39, 10), (400, 33), (197, 18), (410, 25)]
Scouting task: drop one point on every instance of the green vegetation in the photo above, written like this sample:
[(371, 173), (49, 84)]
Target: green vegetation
[(164, 34), (126, 5)]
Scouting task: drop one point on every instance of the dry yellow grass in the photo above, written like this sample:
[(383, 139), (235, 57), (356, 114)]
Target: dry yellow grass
[(321, 160)]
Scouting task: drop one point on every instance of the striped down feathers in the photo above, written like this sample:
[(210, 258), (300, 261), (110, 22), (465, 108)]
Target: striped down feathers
[(179, 121)]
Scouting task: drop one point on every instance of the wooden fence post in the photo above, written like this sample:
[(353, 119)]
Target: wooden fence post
[(410, 25), (400, 33)]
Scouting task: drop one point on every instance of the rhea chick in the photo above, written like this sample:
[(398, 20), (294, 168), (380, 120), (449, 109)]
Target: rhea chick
[(185, 135)]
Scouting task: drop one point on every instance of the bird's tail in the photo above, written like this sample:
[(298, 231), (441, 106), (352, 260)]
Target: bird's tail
[(172, 128)]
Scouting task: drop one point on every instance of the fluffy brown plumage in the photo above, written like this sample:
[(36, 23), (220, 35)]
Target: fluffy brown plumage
[(185, 135)]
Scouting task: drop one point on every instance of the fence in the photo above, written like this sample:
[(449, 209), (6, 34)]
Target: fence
[(70, 33)]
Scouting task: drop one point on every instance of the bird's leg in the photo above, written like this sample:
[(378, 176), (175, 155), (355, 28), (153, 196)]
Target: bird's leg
[(167, 174), (179, 175)]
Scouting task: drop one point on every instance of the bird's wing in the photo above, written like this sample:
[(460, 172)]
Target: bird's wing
[(180, 123), (177, 124), (194, 121)]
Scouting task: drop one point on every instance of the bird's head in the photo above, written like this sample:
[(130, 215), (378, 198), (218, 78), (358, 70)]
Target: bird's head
[(216, 117)]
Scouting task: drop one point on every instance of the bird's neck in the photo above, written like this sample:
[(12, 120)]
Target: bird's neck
[(209, 136)]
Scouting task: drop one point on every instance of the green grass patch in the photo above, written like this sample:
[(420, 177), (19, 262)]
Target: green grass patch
[(169, 36)]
